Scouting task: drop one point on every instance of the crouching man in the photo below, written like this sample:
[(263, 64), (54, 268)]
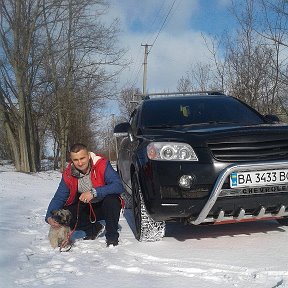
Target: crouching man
[(90, 189)]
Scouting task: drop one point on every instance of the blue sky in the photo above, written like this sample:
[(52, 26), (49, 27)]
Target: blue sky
[(212, 17), (179, 45)]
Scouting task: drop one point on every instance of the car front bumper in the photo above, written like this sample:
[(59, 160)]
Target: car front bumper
[(204, 202)]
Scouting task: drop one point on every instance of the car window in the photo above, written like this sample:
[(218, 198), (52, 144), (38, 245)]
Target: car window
[(198, 111)]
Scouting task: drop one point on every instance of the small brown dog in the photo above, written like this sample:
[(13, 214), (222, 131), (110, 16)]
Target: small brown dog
[(58, 235)]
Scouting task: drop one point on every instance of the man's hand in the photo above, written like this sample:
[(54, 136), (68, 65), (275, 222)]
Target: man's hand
[(86, 197), (53, 223)]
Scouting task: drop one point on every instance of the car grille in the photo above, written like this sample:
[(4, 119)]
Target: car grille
[(200, 191), (247, 149)]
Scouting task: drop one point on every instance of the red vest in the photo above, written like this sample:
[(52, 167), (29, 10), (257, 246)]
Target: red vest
[(97, 178)]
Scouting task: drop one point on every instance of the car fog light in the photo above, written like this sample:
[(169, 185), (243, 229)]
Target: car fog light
[(186, 181)]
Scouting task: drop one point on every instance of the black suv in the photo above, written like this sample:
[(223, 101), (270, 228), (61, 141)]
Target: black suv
[(202, 159)]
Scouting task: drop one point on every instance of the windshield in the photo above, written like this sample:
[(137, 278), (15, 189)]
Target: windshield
[(196, 111)]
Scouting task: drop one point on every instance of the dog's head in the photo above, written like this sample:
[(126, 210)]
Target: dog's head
[(62, 216)]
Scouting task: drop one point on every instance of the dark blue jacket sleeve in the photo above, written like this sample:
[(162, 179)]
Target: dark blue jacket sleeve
[(59, 199), (113, 184)]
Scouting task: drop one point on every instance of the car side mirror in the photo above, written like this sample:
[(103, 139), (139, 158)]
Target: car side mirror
[(122, 129), (272, 118)]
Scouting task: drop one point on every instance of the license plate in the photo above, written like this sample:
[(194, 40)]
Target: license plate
[(258, 178)]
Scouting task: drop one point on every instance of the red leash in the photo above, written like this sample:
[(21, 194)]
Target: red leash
[(66, 242), (92, 213), (122, 203)]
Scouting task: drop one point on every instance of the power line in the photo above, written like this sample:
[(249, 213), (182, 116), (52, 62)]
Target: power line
[(134, 74), (157, 16), (137, 75), (160, 30), (138, 65), (162, 26)]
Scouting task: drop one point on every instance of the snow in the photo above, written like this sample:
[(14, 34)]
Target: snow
[(235, 255)]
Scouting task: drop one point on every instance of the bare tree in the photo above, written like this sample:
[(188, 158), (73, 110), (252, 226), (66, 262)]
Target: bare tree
[(201, 76), (274, 28), (82, 60), (4, 152), (128, 101), (184, 84), (59, 63), (218, 64), (251, 66), (20, 57)]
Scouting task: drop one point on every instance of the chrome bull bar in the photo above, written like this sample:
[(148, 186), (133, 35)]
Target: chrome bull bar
[(252, 166)]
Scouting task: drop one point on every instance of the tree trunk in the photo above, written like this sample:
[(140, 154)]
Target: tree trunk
[(13, 145)]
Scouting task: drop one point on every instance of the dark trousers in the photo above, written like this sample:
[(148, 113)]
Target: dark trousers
[(108, 210)]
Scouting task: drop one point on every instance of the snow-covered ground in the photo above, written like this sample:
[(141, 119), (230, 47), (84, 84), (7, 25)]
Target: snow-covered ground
[(236, 255)]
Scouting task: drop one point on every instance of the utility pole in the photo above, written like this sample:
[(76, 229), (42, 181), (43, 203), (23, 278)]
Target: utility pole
[(145, 68)]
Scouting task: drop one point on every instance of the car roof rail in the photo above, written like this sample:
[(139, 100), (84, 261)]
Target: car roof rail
[(163, 94)]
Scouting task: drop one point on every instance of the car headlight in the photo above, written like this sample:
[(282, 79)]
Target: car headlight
[(172, 151)]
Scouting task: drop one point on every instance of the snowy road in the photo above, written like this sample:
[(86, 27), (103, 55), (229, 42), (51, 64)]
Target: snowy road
[(236, 255)]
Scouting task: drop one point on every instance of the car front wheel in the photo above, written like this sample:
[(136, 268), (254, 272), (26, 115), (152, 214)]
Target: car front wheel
[(146, 229)]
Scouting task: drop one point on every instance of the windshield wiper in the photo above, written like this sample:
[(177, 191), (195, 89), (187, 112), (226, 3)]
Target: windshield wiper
[(223, 122), (190, 124), (209, 123), (160, 126)]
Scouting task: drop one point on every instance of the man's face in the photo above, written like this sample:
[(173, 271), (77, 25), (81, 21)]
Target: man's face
[(81, 160)]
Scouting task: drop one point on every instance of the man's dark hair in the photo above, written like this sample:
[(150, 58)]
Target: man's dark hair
[(75, 148)]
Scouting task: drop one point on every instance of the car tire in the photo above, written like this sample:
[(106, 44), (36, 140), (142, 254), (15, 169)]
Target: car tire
[(283, 221), (146, 229), (128, 202)]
